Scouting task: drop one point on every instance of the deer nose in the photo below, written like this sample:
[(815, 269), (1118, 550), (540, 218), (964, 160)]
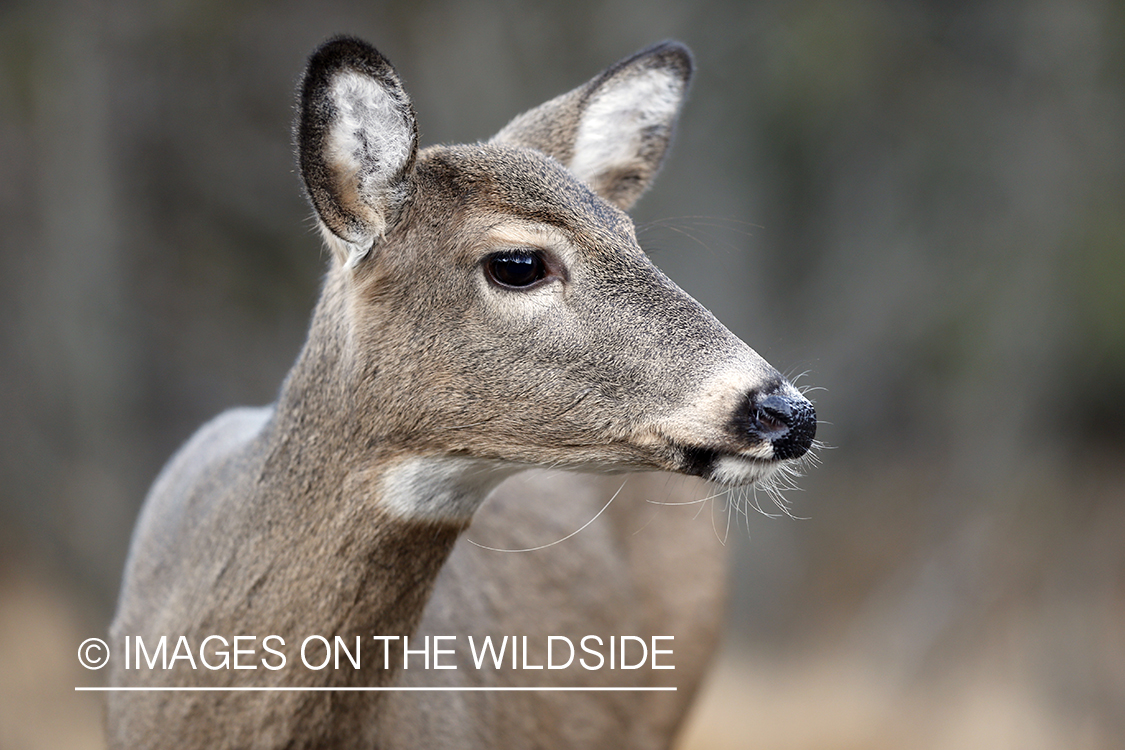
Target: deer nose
[(787, 422)]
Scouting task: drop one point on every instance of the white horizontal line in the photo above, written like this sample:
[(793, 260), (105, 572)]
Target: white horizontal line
[(366, 689)]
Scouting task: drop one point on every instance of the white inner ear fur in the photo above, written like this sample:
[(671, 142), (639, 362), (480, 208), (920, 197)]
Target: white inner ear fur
[(369, 141), (612, 128)]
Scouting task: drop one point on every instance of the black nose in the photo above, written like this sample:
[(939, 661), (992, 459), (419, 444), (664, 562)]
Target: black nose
[(787, 422)]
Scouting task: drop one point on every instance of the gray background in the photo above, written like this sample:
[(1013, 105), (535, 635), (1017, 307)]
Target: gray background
[(918, 204)]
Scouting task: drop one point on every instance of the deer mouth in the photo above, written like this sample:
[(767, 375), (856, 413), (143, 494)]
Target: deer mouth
[(728, 468)]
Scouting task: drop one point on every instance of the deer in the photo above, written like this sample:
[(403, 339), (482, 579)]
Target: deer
[(491, 354)]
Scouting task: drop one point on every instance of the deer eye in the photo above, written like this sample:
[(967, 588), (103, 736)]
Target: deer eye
[(515, 269)]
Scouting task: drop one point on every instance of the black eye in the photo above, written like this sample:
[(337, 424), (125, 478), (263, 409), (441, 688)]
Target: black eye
[(516, 268)]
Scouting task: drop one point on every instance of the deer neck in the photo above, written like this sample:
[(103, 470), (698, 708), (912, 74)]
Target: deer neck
[(375, 522), (337, 416)]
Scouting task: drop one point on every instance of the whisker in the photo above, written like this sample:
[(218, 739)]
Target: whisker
[(685, 502), (692, 226), (722, 540), (726, 531), (557, 541)]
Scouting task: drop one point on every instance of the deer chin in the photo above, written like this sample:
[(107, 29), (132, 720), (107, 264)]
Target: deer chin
[(736, 471)]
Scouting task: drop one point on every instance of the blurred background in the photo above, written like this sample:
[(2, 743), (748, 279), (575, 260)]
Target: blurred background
[(920, 205)]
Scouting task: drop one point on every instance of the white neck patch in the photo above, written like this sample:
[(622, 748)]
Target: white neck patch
[(441, 489)]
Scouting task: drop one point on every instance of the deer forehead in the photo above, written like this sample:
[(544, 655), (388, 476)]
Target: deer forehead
[(488, 182)]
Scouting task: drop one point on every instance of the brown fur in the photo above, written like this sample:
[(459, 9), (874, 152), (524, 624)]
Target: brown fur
[(311, 516)]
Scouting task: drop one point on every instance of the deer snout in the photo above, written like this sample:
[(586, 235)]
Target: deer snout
[(786, 421)]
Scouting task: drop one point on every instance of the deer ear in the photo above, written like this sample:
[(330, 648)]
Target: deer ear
[(356, 141), (613, 132)]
